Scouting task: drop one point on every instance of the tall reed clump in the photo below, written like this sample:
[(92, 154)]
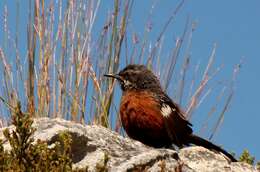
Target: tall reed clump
[(68, 51)]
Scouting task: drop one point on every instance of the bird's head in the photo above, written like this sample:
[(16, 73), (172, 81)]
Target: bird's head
[(136, 77)]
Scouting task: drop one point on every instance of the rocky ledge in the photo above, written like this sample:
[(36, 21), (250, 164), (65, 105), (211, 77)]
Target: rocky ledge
[(93, 145)]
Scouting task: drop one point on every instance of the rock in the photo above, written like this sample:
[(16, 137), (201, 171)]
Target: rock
[(201, 159), (93, 146)]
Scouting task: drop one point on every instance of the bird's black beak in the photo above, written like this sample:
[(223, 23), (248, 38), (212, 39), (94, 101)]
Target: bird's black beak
[(116, 76)]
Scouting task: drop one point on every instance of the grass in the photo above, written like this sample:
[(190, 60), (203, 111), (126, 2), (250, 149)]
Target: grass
[(61, 73), (27, 155)]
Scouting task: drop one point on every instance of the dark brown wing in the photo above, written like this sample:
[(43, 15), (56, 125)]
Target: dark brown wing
[(178, 128)]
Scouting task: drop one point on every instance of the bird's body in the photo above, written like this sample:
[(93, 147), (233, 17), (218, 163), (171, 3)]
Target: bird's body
[(150, 116), (141, 121), (141, 117)]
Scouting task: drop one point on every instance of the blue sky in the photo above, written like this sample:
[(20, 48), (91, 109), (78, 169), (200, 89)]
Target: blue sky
[(235, 28)]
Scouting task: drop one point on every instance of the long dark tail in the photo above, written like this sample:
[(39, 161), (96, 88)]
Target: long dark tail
[(207, 144)]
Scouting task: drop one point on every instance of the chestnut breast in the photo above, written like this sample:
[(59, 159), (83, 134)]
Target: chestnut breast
[(141, 118)]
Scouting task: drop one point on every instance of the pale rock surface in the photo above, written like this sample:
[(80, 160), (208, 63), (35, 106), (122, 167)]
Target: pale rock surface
[(92, 144)]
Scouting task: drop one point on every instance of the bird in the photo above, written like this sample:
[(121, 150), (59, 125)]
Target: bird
[(150, 116)]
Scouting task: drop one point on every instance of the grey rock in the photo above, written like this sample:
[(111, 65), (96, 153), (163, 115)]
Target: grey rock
[(201, 159), (92, 145)]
